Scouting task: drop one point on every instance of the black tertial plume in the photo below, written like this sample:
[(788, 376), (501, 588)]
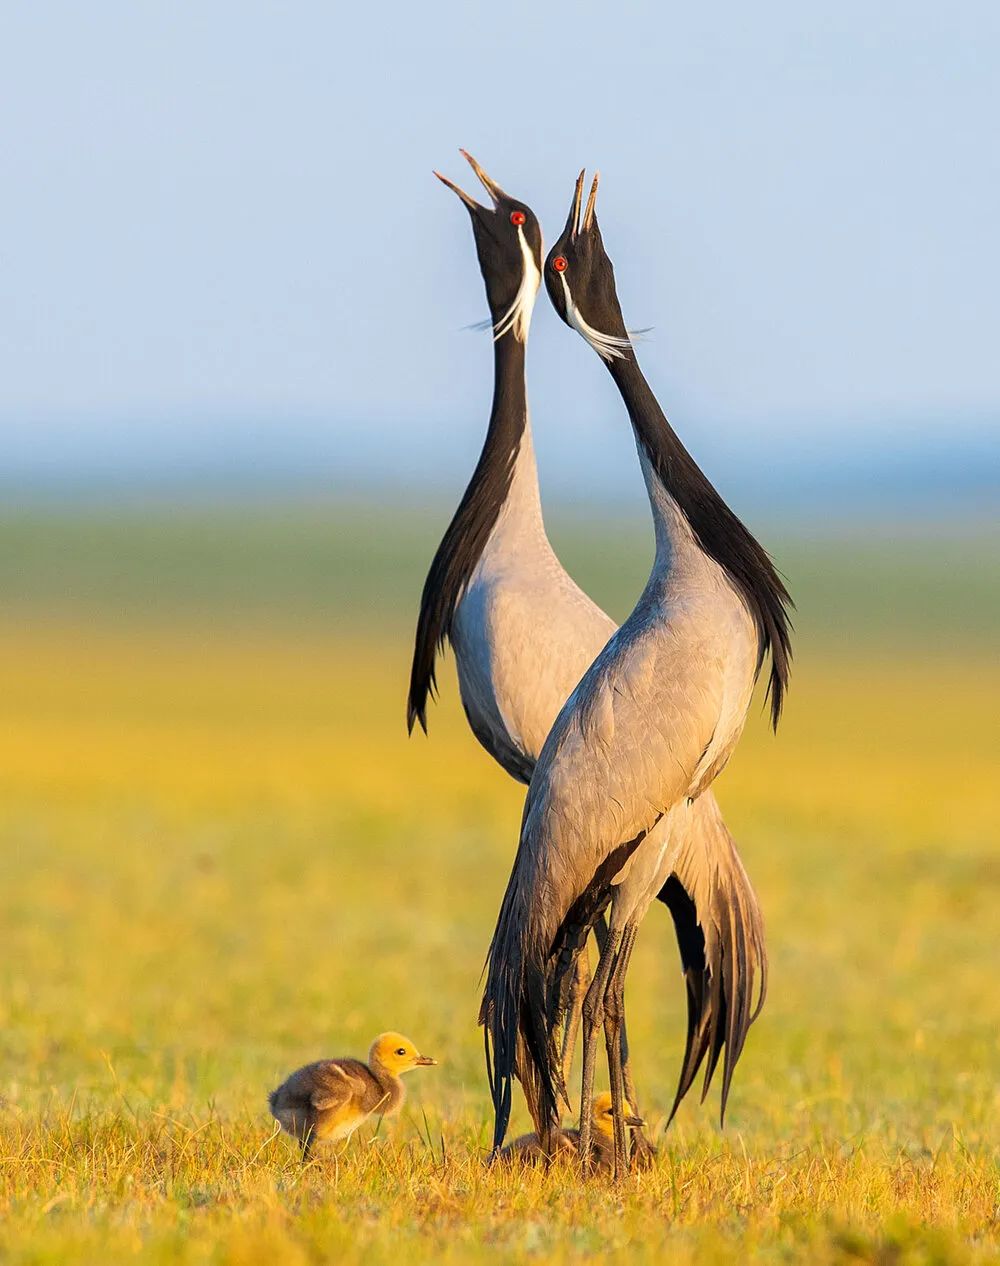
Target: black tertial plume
[(720, 934)]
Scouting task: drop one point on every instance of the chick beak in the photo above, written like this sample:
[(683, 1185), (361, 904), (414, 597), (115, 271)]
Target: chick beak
[(633, 1122), (424, 1061)]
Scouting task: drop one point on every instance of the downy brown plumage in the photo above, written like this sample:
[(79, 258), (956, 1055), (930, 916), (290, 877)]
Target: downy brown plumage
[(528, 1148), (328, 1100)]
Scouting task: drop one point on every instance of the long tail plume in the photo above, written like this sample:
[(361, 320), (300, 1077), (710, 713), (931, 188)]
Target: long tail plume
[(720, 932)]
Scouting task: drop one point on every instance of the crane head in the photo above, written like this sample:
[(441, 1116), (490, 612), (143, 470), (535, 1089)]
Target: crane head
[(509, 244), (580, 279)]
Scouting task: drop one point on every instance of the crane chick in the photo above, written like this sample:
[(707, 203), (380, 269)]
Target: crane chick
[(528, 1149), (328, 1100)]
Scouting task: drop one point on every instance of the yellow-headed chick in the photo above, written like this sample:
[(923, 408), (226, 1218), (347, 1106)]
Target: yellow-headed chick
[(527, 1147), (328, 1100)]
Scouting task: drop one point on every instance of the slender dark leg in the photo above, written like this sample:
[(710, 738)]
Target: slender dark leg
[(580, 983), (642, 1149), (578, 990), (614, 1014), (593, 1019), (612, 1041)]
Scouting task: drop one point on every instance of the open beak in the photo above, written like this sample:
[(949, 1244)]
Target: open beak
[(424, 1061), (574, 225), (488, 183), (588, 214)]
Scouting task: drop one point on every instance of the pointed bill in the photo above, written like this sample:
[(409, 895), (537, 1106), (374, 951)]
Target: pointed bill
[(588, 215), (488, 183), (471, 203), (573, 219)]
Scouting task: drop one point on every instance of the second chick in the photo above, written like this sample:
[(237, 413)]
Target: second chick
[(528, 1148)]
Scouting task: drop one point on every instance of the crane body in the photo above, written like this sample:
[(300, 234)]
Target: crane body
[(524, 634), (633, 751)]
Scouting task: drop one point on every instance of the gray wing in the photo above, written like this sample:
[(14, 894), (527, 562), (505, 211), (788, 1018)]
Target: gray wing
[(624, 750), (521, 644)]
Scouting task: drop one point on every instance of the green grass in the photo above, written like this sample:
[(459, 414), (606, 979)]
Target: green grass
[(221, 857), (350, 565)]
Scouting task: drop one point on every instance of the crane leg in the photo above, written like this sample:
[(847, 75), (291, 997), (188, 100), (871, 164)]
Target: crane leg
[(578, 990), (593, 1019), (614, 1017), (642, 1149), (581, 980)]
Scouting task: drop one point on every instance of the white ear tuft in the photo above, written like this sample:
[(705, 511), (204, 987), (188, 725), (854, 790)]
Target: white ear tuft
[(518, 316), (608, 346)]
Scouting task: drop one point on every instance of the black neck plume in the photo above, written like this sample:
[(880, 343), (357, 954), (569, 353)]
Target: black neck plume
[(470, 529), (718, 531)]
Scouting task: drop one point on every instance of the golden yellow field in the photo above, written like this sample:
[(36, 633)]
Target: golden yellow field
[(221, 857)]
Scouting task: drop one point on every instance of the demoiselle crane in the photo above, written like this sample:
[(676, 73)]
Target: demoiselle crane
[(524, 633), (629, 760)]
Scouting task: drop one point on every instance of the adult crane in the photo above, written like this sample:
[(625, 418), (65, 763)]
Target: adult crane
[(631, 756), (523, 634)]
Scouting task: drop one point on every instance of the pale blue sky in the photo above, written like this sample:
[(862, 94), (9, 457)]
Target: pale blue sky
[(220, 239)]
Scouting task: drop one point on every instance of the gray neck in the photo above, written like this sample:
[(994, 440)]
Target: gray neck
[(520, 521), (663, 461), (675, 542)]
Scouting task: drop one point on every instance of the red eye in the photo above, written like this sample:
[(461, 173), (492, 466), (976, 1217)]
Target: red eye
[(559, 263), (517, 217)]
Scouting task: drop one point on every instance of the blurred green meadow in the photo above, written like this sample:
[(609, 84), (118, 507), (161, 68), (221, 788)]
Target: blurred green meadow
[(222, 857)]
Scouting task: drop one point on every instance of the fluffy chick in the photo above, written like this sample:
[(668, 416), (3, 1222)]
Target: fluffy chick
[(328, 1100)]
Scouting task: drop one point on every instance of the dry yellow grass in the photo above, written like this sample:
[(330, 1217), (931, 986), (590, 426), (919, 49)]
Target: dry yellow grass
[(221, 857)]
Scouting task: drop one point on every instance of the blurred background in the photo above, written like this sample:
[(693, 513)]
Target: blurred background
[(238, 404), (226, 264)]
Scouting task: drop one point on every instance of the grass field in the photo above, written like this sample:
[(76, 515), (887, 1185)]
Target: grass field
[(221, 857)]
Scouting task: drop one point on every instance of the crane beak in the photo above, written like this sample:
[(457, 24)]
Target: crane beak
[(575, 225), (588, 214), (488, 183), (573, 219), (471, 203)]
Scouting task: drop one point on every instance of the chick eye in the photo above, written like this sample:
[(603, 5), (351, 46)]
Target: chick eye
[(517, 217), (401, 1051), (559, 263)]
